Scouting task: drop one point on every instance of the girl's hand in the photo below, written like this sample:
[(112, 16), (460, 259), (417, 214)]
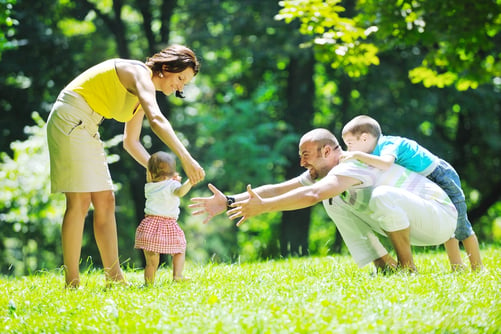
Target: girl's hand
[(177, 177)]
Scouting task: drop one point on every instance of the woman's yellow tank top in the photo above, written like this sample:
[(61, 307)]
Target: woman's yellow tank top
[(103, 91)]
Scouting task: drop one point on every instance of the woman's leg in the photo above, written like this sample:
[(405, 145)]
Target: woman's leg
[(152, 262), (77, 207), (105, 232)]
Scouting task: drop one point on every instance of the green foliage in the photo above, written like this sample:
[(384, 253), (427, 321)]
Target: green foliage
[(29, 217), (307, 295), (215, 242), (259, 239), (322, 233), (246, 139), (72, 27), (489, 225), (7, 24), (457, 41), (338, 40)]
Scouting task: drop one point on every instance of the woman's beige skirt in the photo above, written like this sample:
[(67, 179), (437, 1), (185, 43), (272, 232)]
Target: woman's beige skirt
[(77, 156)]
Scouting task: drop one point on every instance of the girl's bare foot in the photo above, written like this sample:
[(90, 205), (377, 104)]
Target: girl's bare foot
[(181, 279)]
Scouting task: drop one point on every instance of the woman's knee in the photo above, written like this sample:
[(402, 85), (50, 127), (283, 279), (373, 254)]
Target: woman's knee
[(78, 203), (103, 201)]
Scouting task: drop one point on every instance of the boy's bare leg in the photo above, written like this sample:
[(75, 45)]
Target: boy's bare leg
[(402, 244), (454, 254), (473, 250)]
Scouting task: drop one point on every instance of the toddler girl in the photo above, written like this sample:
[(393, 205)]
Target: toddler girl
[(159, 232)]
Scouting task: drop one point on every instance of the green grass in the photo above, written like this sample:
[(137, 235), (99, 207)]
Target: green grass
[(305, 295)]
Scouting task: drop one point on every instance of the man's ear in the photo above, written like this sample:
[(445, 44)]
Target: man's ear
[(326, 150)]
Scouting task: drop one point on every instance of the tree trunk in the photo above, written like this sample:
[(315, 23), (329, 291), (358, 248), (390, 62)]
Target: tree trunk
[(295, 225), (114, 23)]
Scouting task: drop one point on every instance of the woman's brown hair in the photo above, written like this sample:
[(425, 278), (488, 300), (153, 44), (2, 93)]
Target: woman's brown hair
[(176, 59)]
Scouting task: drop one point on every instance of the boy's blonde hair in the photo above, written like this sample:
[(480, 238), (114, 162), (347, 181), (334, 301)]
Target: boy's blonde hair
[(161, 165), (362, 124)]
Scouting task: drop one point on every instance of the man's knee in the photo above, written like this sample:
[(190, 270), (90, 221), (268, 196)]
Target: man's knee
[(381, 197), (385, 208)]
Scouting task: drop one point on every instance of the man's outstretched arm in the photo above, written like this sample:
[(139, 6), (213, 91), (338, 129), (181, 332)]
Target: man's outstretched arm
[(294, 199), (218, 202)]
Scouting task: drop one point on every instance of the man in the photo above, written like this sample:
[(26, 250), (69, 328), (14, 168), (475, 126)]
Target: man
[(360, 199)]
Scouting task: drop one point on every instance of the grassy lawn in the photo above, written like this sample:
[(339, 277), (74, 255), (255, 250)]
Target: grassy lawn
[(300, 295)]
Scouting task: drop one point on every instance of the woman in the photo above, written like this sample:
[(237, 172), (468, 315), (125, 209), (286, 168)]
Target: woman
[(125, 91)]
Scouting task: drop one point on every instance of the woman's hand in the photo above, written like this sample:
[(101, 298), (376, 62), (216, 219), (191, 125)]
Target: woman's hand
[(193, 170)]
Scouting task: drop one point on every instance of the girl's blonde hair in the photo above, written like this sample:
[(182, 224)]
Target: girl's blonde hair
[(161, 165)]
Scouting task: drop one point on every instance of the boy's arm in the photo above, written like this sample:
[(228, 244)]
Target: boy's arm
[(382, 162), (183, 190)]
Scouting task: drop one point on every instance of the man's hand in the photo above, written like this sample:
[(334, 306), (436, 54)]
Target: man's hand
[(212, 206), (248, 208)]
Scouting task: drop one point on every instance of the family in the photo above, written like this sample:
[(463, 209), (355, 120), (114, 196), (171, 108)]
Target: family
[(382, 186)]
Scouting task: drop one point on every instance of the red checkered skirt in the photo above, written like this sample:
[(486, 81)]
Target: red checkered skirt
[(160, 235)]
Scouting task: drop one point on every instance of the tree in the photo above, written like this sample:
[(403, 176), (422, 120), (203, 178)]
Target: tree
[(7, 24), (458, 41)]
